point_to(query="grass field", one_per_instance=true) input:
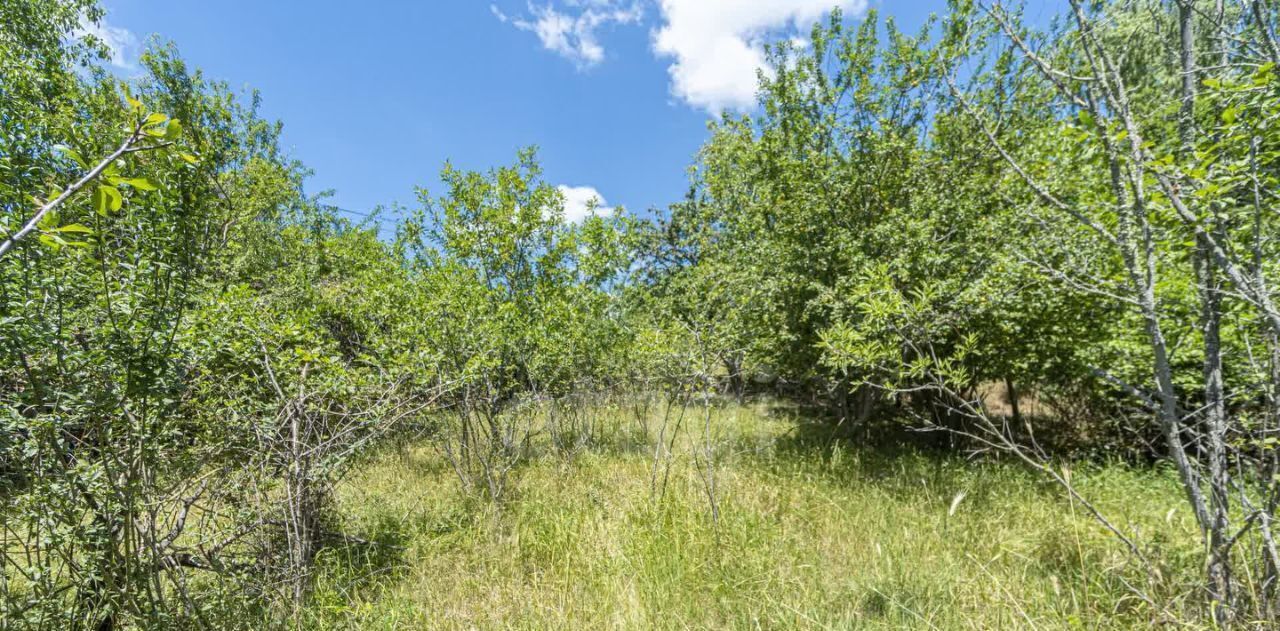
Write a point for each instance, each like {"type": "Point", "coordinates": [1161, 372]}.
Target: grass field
{"type": "Point", "coordinates": [810, 534]}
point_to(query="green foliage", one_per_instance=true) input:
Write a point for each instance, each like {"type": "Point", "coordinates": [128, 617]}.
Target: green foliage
{"type": "Point", "coordinates": [519, 300]}
{"type": "Point", "coordinates": [857, 228]}
{"type": "Point", "coordinates": [196, 354]}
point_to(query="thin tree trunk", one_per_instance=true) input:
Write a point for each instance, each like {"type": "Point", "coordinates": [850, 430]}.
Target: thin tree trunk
{"type": "Point", "coordinates": [1214, 415]}
{"type": "Point", "coordinates": [1012, 395]}
{"type": "Point", "coordinates": [1214, 410]}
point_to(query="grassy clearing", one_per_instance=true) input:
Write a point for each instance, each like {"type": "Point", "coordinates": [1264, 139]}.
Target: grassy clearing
{"type": "Point", "coordinates": [811, 535]}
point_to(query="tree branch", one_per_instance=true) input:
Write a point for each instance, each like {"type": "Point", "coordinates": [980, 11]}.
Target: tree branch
{"type": "Point", "coordinates": [128, 146]}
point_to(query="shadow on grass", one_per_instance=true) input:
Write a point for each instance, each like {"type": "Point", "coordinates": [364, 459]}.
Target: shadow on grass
{"type": "Point", "coordinates": [353, 569]}
{"type": "Point", "coordinates": [887, 455]}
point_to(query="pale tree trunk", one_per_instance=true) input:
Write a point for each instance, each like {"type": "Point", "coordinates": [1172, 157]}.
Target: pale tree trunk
{"type": "Point", "coordinates": [1209, 292]}
{"type": "Point", "coordinates": [1220, 272]}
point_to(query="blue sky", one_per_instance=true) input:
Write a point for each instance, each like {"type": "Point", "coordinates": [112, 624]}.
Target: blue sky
{"type": "Point", "coordinates": [376, 96]}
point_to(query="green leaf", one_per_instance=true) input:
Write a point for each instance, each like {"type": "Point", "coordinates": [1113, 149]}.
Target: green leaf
{"type": "Point", "coordinates": [140, 183]}
{"type": "Point", "coordinates": [155, 119]}
{"type": "Point", "coordinates": [99, 201]}
{"type": "Point", "coordinates": [106, 199]}
{"type": "Point", "coordinates": [188, 158]}
{"type": "Point", "coordinates": [71, 153]}
{"type": "Point", "coordinates": [115, 200]}
{"type": "Point", "coordinates": [75, 227]}
{"type": "Point", "coordinates": [1230, 114]}
{"type": "Point", "coordinates": [174, 130]}
{"type": "Point", "coordinates": [134, 103]}
{"type": "Point", "coordinates": [49, 220]}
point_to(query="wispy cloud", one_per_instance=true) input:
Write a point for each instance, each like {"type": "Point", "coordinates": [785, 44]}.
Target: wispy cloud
{"type": "Point", "coordinates": [573, 32]}
{"type": "Point", "coordinates": [122, 45]}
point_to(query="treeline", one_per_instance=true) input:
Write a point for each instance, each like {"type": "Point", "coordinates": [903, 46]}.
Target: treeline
{"type": "Point", "coordinates": [195, 350]}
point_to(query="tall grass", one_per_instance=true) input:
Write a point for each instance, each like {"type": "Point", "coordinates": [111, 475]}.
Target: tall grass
{"type": "Point", "coordinates": [812, 534]}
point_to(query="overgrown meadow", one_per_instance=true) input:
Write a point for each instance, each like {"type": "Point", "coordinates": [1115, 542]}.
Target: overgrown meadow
{"type": "Point", "coordinates": [969, 328]}
{"type": "Point", "coordinates": [809, 533]}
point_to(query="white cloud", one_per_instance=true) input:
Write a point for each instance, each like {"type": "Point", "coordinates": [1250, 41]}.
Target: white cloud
{"type": "Point", "coordinates": [578, 203]}
{"type": "Point", "coordinates": [718, 45]}
{"type": "Point", "coordinates": [572, 33]}
{"type": "Point", "coordinates": [715, 47]}
{"type": "Point", "coordinates": [122, 45]}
